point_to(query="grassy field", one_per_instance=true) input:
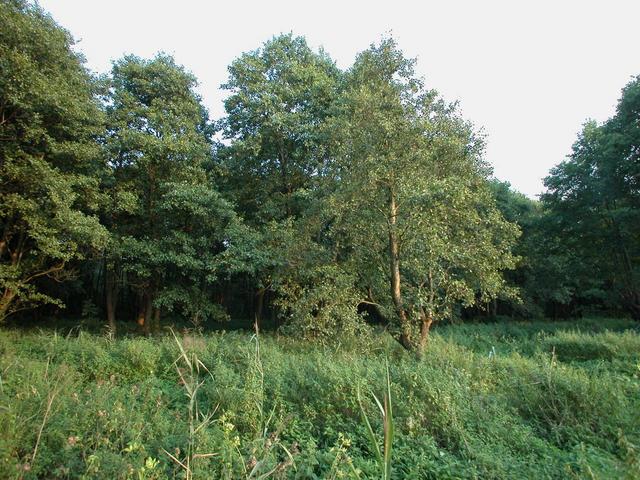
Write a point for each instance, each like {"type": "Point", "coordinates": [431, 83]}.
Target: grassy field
{"type": "Point", "coordinates": [505, 400]}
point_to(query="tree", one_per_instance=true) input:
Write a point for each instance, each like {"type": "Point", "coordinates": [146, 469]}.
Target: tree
{"type": "Point", "coordinates": [517, 208]}
{"type": "Point", "coordinates": [418, 221]}
{"type": "Point", "coordinates": [170, 238]}
{"type": "Point", "coordinates": [594, 198]}
{"type": "Point", "coordinates": [544, 276]}
{"type": "Point", "coordinates": [280, 98]}
{"type": "Point", "coordinates": [49, 160]}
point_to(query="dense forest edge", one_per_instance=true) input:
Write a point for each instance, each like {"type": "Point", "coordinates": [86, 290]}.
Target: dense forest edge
{"type": "Point", "coordinates": [324, 201]}
{"type": "Point", "coordinates": [326, 282]}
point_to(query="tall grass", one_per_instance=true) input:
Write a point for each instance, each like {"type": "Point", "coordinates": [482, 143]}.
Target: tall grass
{"type": "Point", "coordinates": [190, 368]}
{"type": "Point", "coordinates": [383, 456]}
{"type": "Point", "coordinates": [536, 400]}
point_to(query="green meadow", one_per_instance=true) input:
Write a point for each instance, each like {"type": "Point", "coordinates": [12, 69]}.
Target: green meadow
{"type": "Point", "coordinates": [504, 400]}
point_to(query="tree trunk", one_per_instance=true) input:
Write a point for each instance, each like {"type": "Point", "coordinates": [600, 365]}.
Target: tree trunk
{"type": "Point", "coordinates": [156, 319]}
{"type": "Point", "coordinates": [286, 185]}
{"type": "Point", "coordinates": [5, 302]}
{"type": "Point", "coordinates": [141, 310]}
{"type": "Point", "coordinates": [492, 308]}
{"type": "Point", "coordinates": [111, 299]}
{"type": "Point", "coordinates": [631, 295]}
{"type": "Point", "coordinates": [631, 300]}
{"type": "Point", "coordinates": [148, 313]}
{"type": "Point", "coordinates": [9, 295]}
{"type": "Point", "coordinates": [394, 266]}
{"type": "Point", "coordinates": [425, 327]}
{"type": "Point", "coordinates": [111, 315]}
{"type": "Point", "coordinates": [259, 307]}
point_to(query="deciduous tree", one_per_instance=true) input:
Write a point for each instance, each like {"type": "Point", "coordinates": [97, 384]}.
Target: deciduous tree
{"type": "Point", "coordinates": [49, 157]}
{"type": "Point", "coordinates": [594, 198]}
{"type": "Point", "coordinates": [170, 239]}
{"type": "Point", "coordinates": [422, 229]}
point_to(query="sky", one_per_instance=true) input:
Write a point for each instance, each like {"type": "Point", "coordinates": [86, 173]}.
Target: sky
{"type": "Point", "coordinates": [528, 73]}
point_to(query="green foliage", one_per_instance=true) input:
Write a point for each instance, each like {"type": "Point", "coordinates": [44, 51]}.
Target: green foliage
{"type": "Point", "coordinates": [322, 305]}
{"type": "Point", "coordinates": [287, 210]}
{"type": "Point", "coordinates": [49, 121]}
{"type": "Point", "coordinates": [547, 277]}
{"type": "Point", "coordinates": [333, 192]}
{"type": "Point", "coordinates": [417, 221]}
{"type": "Point", "coordinates": [593, 201]}
{"type": "Point", "coordinates": [274, 168]}
{"type": "Point", "coordinates": [383, 456]}
{"type": "Point", "coordinates": [279, 102]}
{"type": "Point", "coordinates": [172, 238]}
{"type": "Point", "coordinates": [513, 400]}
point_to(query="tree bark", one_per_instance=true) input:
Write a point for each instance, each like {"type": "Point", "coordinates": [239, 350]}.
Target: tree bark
{"type": "Point", "coordinates": [427, 320]}
{"type": "Point", "coordinates": [394, 266]}
{"type": "Point", "coordinates": [141, 310]}
{"type": "Point", "coordinates": [286, 185]}
{"type": "Point", "coordinates": [156, 319]}
{"type": "Point", "coordinates": [631, 300]}
{"type": "Point", "coordinates": [631, 294]}
{"type": "Point", "coordinates": [259, 306]}
{"type": "Point", "coordinates": [148, 312]}
{"type": "Point", "coordinates": [111, 298]}
{"type": "Point", "coordinates": [5, 302]}
{"type": "Point", "coordinates": [492, 307]}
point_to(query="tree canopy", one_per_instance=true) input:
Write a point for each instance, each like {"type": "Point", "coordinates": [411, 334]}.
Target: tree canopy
{"type": "Point", "coordinates": [594, 200]}
{"type": "Point", "coordinates": [325, 199]}
{"type": "Point", "coordinates": [49, 157]}
{"type": "Point", "coordinates": [421, 227]}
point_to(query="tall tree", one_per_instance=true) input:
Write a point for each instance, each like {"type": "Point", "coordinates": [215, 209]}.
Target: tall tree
{"type": "Point", "coordinates": [594, 197]}
{"type": "Point", "coordinates": [421, 226]}
{"type": "Point", "coordinates": [49, 160]}
{"type": "Point", "coordinates": [169, 238]}
{"type": "Point", "coordinates": [280, 98]}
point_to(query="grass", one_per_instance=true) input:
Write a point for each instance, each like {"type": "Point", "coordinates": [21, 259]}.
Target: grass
{"type": "Point", "coordinates": [505, 400]}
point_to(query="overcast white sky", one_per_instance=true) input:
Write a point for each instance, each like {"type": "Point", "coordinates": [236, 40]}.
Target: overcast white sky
{"type": "Point", "coordinates": [529, 73]}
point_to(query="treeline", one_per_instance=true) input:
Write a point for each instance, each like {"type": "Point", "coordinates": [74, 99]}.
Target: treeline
{"type": "Point", "coordinates": [323, 198]}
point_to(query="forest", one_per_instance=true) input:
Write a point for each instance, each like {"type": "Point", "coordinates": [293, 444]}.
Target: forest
{"type": "Point", "coordinates": [347, 229]}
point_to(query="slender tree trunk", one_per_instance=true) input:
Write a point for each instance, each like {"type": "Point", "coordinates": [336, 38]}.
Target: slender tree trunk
{"type": "Point", "coordinates": [5, 302]}
{"type": "Point", "coordinates": [631, 294]}
{"type": "Point", "coordinates": [141, 310]}
{"type": "Point", "coordinates": [259, 306]}
{"type": "Point", "coordinates": [111, 315]}
{"type": "Point", "coordinates": [394, 266]}
{"type": "Point", "coordinates": [10, 294]}
{"type": "Point", "coordinates": [631, 300]}
{"type": "Point", "coordinates": [6, 236]}
{"type": "Point", "coordinates": [148, 312]}
{"type": "Point", "coordinates": [286, 185]}
{"type": "Point", "coordinates": [273, 314]}
{"type": "Point", "coordinates": [156, 319]}
{"type": "Point", "coordinates": [111, 298]}
{"type": "Point", "coordinates": [492, 307]}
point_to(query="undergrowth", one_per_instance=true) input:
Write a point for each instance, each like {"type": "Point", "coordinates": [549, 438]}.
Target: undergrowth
{"type": "Point", "coordinates": [509, 400]}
